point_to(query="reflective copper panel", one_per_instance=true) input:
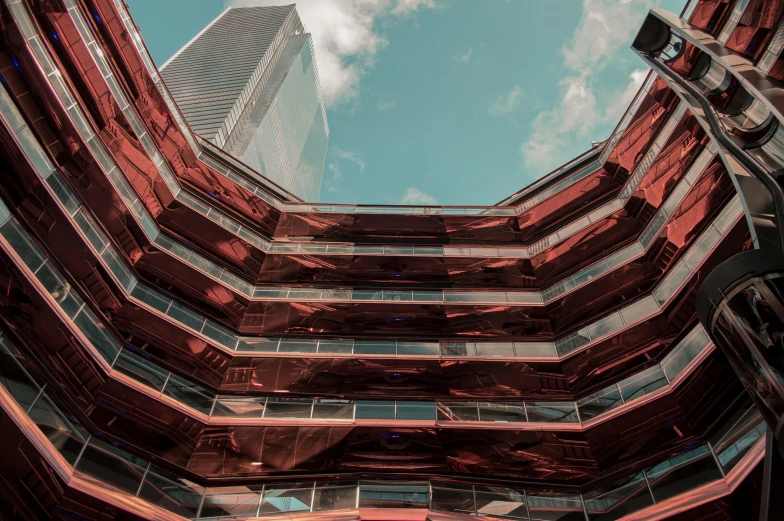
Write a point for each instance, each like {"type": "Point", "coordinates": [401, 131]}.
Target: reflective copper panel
{"type": "Point", "coordinates": [180, 340]}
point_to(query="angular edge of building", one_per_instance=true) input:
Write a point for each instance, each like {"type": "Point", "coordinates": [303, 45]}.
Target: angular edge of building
{"type": "Point", "coordinates": [182, 338]}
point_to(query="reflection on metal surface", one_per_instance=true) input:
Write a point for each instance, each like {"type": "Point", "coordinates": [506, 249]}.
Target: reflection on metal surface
{"type": "Point", "coordinates": [549, 340]}
{"type": "Point", "coordinates": [132, 476]}
{"type": "Point", "coordinates": [204, 402]}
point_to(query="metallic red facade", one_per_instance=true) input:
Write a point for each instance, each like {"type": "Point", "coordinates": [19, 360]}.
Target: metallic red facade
{"type": "Point", "coordinates": [179, 341]}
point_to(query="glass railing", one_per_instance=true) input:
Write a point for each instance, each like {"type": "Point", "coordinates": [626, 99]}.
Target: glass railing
{"type": "Point", "coordinates": [645, 89]}
{"type": "Point", "coordinates": [588, 169]}
{"type": "Point", "coordinates": [398, 210]}
{"type": "Point", "coordinates": [61, 428]}
{"type": "Point", "coordinates": [556, 173]}
{"type": "Point", "coordinates": [391, 347]}
{"type": "Point", "coordinates": [397, 295]}
{"type": "Point", "coordinates": [149, 65]}
{"type": "Point", "coordinates": [735, 437]}
{"type": "Point", "coordinates": [558, 187]}
{"type": "Point", "coordinates": [81, 218]}
{"type": "Point", "coordinates": [109, 465]}
{"type": "Point", "coordinates": [689, 10]}
{"type": "Point", "coordinates": [358, 249]}
{"type": "Point", "coordinates": [639, 99]}
{"type": "Point", "coordinates": [120, 470]}
{"type": "Point", "coordinates": [732, 22]}
{"type": "Point", "coordinates": [236, 228]}
{"type": "Point", "coordinates": [628, 189]}
{"type": "Point", "coordinates": [773, 50]}
{"type": "Point", "coordinates": [639, 247]}
{"type": "Point", "coordinates": [164, 383]}
{"type": "Point", "coordinates": [694, 344]}
{"type": "Point", "coordinates": [664, 290]}
{"type": "Point", "coordinates": [60, 290]}
{"type": "Point", "coordinates": [102, 156]}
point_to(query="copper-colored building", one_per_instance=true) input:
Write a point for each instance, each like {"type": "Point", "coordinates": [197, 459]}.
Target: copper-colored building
{"type": "Point", "coordinates": [182, 340]}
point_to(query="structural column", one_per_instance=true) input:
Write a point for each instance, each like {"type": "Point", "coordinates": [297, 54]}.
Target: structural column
{"type": "Point", "coordinates": [741, 305]}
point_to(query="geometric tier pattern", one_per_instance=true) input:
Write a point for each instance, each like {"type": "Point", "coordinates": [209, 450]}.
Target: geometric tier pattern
{"type": "Point", "coordinates": [182, 340]}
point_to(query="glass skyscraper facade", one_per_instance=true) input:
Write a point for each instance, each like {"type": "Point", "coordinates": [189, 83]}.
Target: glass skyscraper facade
{"type": "Point", "coordinates": [249, 83]}
{"type": "Point", "coordinates": [182, 340]}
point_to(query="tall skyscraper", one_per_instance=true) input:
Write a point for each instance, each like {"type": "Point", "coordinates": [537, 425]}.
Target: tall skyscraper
{"type": "Point", "coordinates": [180, 342]}
{"type": "Point", "coordinates": [249, 83]}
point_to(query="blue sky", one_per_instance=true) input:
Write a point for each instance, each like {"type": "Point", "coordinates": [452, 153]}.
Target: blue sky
{"type": "Point", "coordinates": [451, 102]}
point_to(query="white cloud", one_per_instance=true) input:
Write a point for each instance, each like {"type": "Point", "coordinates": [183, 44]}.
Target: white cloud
{"type": "Point", "coordinates": [409, 6]}
{"type": "Point", "coordinates": [332, 182]}
{"type": "Point", "coordinates": [385, 104]}
{"type": "Point", "coordinates": [350, 156]}
{"type": "Point", "coordinates": [333, 172]}
{"type": "Point", "coordinates": [464, 58]}
{"type": "Point", "coordinates": [415, 196]}
{"type": "Point", "coordinates": [505, 104]}
{"type": "Point", "coordinates": [606, 27]}
{"type": "Point", "coordinates": [616, 109]}
{"type": "Point", "coordinates": [345, 36]}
